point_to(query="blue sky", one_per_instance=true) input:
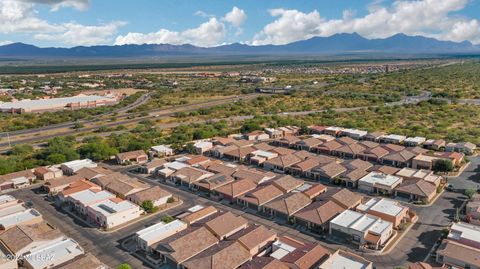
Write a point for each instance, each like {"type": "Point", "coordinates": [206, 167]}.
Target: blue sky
{"type": "Point", "coordinates": [69, 23]}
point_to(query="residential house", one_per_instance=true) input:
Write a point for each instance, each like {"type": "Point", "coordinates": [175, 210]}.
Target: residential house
{"type": "Point", "coordinates": [262, 262]}
{"type": "Point", "coordinates": [234, 189]}
{"type": "Point", "coordinates": [186, 176]}
{"type": "Point", "coordinates": [414, 141]}
{"type": "Point", "coordinates": [361, 229]}
{"type": "Point", "coordinates": [47, 173]}
{"type": "Point", "coordinates": [374, 136]}
{"type": "Point", "coordinates": [202, 147]}
{"type": "Point", "coordinates": [333, 131]}
{"type": "Point", "coordinates": [316, 216]}
{"type": "Point", "coordinates": [416, 190]}
{"type": "Point", "coordinates": [238, 154]}
{"type": "Point", "coordinates": [316, 129]}
{"type": "Point", "coordinates": [19, 217]}
{"type": "Point", "coordinates": [258, 197]}
{"type": "Point", "coordinates": [392, 138]}
{"type": "Point", "coordinates": [113, 212]}
{"type": "Point", "coordinates": [137, 157]}
{"type": "Point", "coordinates": [308, 144]}
{"type": "Point", "coordinates": [342, 259]}
{"type": "Point", "coordinates": [257, 136]}
{"type": "Point", "coordinates": [379, 183]}
{"type": "Point", "coordinates": [157, 195]}
{"type": "Point", "coordinates": [435, 144]}
{"type": "Point", "coordinates": [120, 184]}
{"type": "Point", "coordinates": [80, 201]}
{"type": "Point", "coordinates": [258, 157]}
{"type": "Point", "coordinates": [373, 154]}
{"type": "Point", "coordinates": [226, 254]}
{"type": "Point", "coordinates": [327, 172]}
{"type": "Point", "coordinates": [399, 159]}
{"type": "Point", "coordinates": [342, 197]}
{"type": "Point", "coordinates": [145, 238]}
{"type": "Point", "coordinates": [83, 261]}
{"type": "Point", "coordinates": [327, 148]}
{"type": "Point", "coordinates": [182, 246]}
{"type": "Point", "coordinates": [274, 133]}
{"type": "Point", "coordinates": [307, 256]}
{"type": "Point", "coordinates": [287, 183]}
{"type": "Point", "coordinates": [257, 239]}
{"type": "Point", "coordinates": [220, 168]}
{"type": "Point", "coordinates": [463, 147]}
{"type": "Point", "coordinates": [386, 209]}
{"type": "Point", "coordinates": [286, 141]}
{"type": "Point", "coordinates": [448, 254]}
{"type": "Point", "coordinates": [281, 163]}
{"type": "Point", "coordinates": [63, 251]}
{"type": "Point", "coordinates": [161, 151]}
{"type": "Point", "coordinates": [152, 166]}
{"type": "Point", "coordinates": [349, 151]}
{"type": "Point", "coordinates": [354, 133]}
{"type": "Point", "coordinates": [70, 168]}
{"type": "Point", "coordinates": [59, 184]}
{"type": "Point", "coordinates": [93, 172]}
{"type": "Point", "coordinates": [210, 184]}
{"type": "Point", "coordinates": [226, 225]}
{"type": "Point", "coordinates": [21, 239]}
{"type": "Point", "coordinates": [285, 206]}
{"type": "Point", "coordinates": [415, 174]}
{"type": "Point", "coordinates": [256, 176]}
{"type": "Point", "coordinates": [17, 179]}
{"type": "Point", "coordinates": [199, 214]}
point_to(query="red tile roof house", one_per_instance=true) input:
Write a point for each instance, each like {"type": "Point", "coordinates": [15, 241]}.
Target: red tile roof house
{"type": "Point", "coordinates": [285, 206]}
{"type": "Point", "coordinates": [224, 255]}
{"type": "Point", "coordinates": [287, 141]}
{"type": "Point", "coordinates": [258, 197]}
{"type": "Point", "coordinates": [316, 216]}
{"type": "Point", "coordinates": [137, 156]}
{"type": "Point", "coordinates": [226, 224]}
{"type": "Point", "coordinates": [317, 129]}
{"type": "Point", "coordinates": [308, 144]}
{"type": "Point", "coordinates": [280, 163]}
{"type": "Point", "coordinates": [257, 239]}
{"type": "Point", "coordinates": [327, 148]}
{"type": "Point", "coordinates": [399, 159]}
{"type": "Point", "coordinates": [307, 257]}
{"type": "Point", "coordinates": [209, 185]}
{"type": "Point", "coordinates": [232, 190]}
{"type": "Point", "coordinates": [349, 151]}
{"type": "Point", "coordinates": [328, 172]}
{"type": "Point", "coordinates": [238, 154]}
{"type": "Point", "coordinates": [373, 154]}
{"type": "Point", "coordinates": [301, 168]}
{"type": "Point", "coordinates": [186, 176]}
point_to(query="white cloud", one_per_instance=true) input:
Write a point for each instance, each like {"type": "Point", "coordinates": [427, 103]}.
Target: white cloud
{"type": "Point", "coordinates": [432, 18]}
{"type": "Point", "coordinates": [3, 43]}
{"type": "Point", "coordinates": [207, 34]}
{"type": "Point", "coordinates": [78, 34]}
{"type": "Point", "coordinates": [21, 17]}
{"type": "Point", "coordinates": [57, 4]}
{"type": "Point", "coordinates": [203, 14]}
{"type": "Point", "coordinates": [236, 17]}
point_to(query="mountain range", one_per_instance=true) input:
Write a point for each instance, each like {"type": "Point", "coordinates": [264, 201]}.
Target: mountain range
{"type": "Point", "coordinates": [332, 45]}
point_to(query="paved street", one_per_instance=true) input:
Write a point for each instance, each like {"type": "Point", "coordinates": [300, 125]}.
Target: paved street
{"type": "Point", "coordinates": [106, 246]}
{"type": "Point", "coordinates": [470, 177]}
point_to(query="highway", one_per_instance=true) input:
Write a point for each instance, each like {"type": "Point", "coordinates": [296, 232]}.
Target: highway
{"type": "Point", "coordinates": [35, 135]}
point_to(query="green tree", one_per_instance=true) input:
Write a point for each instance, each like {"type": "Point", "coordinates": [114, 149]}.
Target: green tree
{"type": "Point", "coordinates": [443, 166]}
{"type": "Point", "coordinates": [56, 158]}
{"type": "Point", "coordinates": [97, 149]}
{"type": "Point", "coordinates": [470, 192]}
{"type": "Point", "coordinates": [124, 266]}
{"type": "Point", "coordinates": [167, 219]}
{"type": "Point", "coordinates": [148, 206]}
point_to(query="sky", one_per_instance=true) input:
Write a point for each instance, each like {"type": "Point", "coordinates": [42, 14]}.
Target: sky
{"type": "Point", "coordinates": [206, 23]}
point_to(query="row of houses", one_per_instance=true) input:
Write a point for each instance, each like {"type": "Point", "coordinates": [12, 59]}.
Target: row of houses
{"type": "Point", "coordinates": [409, 183]}
{"type": "Point", "coordinates": [103, 197]}
{"type": "Point", "coordinates": [205, 237]}
{"type": "Point", "coordinates": [382, 137]}
{"type": "Point", "coordinates": [27, 241]}
{"type": "Point", "coordinates": [310, 206]}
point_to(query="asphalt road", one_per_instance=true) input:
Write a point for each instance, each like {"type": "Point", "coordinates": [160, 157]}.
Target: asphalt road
{"type": "Point", "coordinates": [470, 177]}
{"type": "Point", "coordinates": [159, 114]}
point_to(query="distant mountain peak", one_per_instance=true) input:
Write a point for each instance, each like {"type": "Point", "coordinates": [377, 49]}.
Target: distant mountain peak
{"type": "Point", "coordinates": [334, 44]}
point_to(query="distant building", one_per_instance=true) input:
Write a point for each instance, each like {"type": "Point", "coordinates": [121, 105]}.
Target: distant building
{"type": "Point", "coordinates": [70, 168]}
